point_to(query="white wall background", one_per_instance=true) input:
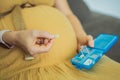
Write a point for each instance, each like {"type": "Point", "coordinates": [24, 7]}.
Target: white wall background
{"type": "Point", "coordinates": [109, 7]}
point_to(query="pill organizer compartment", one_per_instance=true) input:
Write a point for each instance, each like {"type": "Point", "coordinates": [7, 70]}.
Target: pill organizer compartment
{"type": "Point", "coordinates": [87, 60]}
{"type": "Point", "coordinates": [76, 60]}
{"type": "Point", "coordinates": [96, 54]}
{"type": "Point", "coordinates": [81, 57]}
{"type": "Point", "coordinates": [88, 63]}
{"type": "Point", "coordinates": [90, 59]}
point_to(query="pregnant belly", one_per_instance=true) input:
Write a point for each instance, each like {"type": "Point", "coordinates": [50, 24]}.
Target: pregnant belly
{"type": "Point", "coordinates": [48, 19]}
{"type": "Point", "coordinates": [51, 20]}
{"type": "Point", "coordinates": [42, 18]}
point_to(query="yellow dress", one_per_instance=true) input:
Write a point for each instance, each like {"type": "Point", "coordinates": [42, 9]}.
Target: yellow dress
{"type": "Point", "coordinates": [55, 64]}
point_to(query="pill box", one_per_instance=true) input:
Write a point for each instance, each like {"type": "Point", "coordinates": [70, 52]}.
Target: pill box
{"type": "Point", "coordinates": [88, 56]}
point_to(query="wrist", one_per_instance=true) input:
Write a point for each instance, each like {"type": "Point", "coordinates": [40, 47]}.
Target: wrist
{"type": "Point", "coordinates": [8, 38]}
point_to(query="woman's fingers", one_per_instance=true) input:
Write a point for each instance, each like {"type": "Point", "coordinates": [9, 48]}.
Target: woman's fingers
{"type": "Point", "coordinates": [78, 47]}
{"type": "Point", "coordinates": [42, 41]}
{"type": "Point", "coordinates": [46, 41]}
{"type": "Point", "coordinates": [45, 35]}
{"type": "Point", "coordinates": [42, 48]}
{"type": "Point", "coordinates": [90, 41]}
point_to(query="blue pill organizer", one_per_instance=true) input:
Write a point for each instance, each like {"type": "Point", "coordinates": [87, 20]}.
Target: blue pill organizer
{"type": "Point", "coordinates": [88, 56]}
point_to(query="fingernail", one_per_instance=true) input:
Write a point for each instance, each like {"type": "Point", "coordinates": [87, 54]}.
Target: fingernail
{"type": "Point", "coordinates": [92, 44]}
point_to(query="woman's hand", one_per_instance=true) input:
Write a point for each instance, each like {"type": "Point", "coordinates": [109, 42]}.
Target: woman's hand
{"type": "Point", "coordinates": [84, 40]}
{"type": "Point", "coordinates": [31, 41]}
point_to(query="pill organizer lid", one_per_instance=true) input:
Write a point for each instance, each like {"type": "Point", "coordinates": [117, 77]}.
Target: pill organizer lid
{"type": "Point", "coordinates": [104, 42]}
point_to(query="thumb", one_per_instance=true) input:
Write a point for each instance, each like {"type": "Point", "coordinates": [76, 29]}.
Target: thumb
{"type": "Point", "coordinates": [90, 41]}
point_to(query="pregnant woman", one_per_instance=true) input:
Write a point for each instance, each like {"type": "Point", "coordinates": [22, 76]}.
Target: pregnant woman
{"type": "Point", "coordinates": [28, 27]}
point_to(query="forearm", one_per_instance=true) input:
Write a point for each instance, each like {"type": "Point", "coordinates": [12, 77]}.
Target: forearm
{"type": "Point", "coordinates": [9, 37]}
{"type": "Point", "coordinates": [76, 25]}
